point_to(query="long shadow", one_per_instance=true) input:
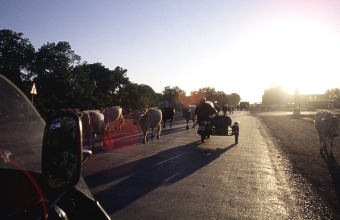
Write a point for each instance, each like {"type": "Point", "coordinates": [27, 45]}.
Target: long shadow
{"type": "Point", "coordinates": [134, 180]}
{"type": "Point", "coordinates": [135, 136]}
{"type": "Point", "coordinates": [334, 170]}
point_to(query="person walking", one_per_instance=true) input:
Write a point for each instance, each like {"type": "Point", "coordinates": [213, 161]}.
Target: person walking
{"type": "Point", "coordinates": [235, 130]}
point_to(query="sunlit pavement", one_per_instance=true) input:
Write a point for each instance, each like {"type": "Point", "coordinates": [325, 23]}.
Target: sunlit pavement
{"type": "Point", "coordinates": [177, 177]}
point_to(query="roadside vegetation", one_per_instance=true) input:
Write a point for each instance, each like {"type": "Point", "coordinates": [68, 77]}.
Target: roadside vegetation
{"type": "Point", "coordinates": [64, 80]}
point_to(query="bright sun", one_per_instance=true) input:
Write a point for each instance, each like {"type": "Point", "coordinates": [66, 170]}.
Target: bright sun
{"type": "Point", "coordinates": [305, 53]}
{"type": "Point", "coordinates": [291, 54]}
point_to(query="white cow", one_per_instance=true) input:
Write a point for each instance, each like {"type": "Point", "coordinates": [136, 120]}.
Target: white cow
{"type": "Point", "coordinates": [326, 126]}
{"type": "Point", "coordinates": [113, 115]}
{"type": "Point", "coordinates": [93, 125]}
{"type": "Point", "coordinates": [151, 118]}
{"type": "Point", "coordinates": [188, 112]}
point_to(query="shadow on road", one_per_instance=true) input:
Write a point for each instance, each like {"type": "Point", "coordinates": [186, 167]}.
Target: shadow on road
{"type": "Point", "coordinates": [133, 180]}
{"type": "Point", "coordinates": [334, 170]}
{"type": "Point", "coordinates": [131, 136]}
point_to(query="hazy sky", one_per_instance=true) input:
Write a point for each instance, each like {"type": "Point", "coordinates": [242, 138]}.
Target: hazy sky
{"type": "Point", "coordinates": [233, 46]}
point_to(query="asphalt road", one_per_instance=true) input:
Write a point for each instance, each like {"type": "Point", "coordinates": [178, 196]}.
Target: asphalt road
{"type": "Point", "coordinates": [177, 177]}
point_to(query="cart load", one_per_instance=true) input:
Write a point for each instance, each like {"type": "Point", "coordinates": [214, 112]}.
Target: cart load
{"type": "Point", "coordinates": [222, 124]}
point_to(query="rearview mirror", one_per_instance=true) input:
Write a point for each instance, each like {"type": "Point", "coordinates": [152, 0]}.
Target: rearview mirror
{"type": "Point", "coordinates": [62, 150]}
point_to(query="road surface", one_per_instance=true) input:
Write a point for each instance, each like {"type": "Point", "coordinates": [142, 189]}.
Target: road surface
{"type": "Point", "coordinates": [177, 177]}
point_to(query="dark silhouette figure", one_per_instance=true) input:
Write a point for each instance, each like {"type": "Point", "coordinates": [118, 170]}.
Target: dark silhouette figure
{"type": "Point", "coordinates": [235, 130]}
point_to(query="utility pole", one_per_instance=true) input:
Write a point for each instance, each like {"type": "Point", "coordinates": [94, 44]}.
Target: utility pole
{"type": "Point", "coordinates": [296, 102]}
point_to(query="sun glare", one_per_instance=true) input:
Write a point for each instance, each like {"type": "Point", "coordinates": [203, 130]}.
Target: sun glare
{"type": "Point", "coordinates": [291, 54]}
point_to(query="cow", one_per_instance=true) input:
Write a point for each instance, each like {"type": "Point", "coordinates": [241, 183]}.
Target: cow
{"type": "Point", "coordinates": [231, 109]}
{"type": "Point", "coordinates": [218, 108]}
{"type": "Point", "coordinates": [146, 119]}
{"type": "Point", "coordinates": [326, 125]}
{"type": "Point", "coordinates": [168, 114]}
{"type": "Point", "coordinates": [92, 125]}
{"type": "Point", "coordinates": [225, 109]}
{"type": "Point", "coordinates": [113, 115]}
{"type": "Point", "coordinates": [188, 112]}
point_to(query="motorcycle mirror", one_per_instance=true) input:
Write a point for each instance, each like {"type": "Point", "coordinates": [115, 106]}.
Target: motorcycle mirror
{"type": "Point", "coordinates": [62, 150]}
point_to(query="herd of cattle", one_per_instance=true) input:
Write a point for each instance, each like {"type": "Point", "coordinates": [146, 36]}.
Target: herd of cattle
{"type": "Point", "coordinates": [96, 123]}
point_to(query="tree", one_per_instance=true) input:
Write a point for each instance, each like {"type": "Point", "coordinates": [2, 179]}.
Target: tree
{"type": "Point", "coordinates": [274, 95]}
{"type": "Point", "coordinates": [215, 96]}
{"type": "Point", "coordinates": [84, 88]}
{"type": "Point", "coordinates": [234, 99]}
{"type": "Point", "coordinates": [53, 65]}
{"type": "Point", "coordinates": [62, 82]}
{"type": "Point", "coordinates": [333, 93]}
{"type": "Point", "coordinates": [222, 98]}
{"type": "Point", "coordinates": [16, 55]}
{"type": "Point", "coordinates": [209, 93]}
{"type": "Point", "coordinates": [98, 87]}
{"type": "Point", "coordinates": [105, 84]}
{"type": "Point", "coordinates": [173, 96]}
{"type": "Point", "coordinates": [194, 96]}
{"type": "Point", "coordinates": [135, 96]}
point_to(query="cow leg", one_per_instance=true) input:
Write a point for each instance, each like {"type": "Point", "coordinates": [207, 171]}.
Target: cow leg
{"type": "Point", "coordinates": [152, 133]}
{"type": "Point", "coordinates": [194, 123]}
{"type": "Point", "coordinates": [118, 125]}
{"type": "Point", "coordinates": [122, 122]}
{"type": "Point", "coordinates": [331, 147]}
{"type": "Point", "coordinates": [170, 122]}
{"type": "Point", "coordinates": [107, 130]}
{"type": "Point", "coordinates": [321, 143]}
{"type": "Point", "coordinates": [159, 131]}
{"type": "Point", "coordinates": [321, 146]}
{"type": "Point", "coordinates": [163, 123]}
{"type": "Point", "coordinates": [144, 137]}
{"type": "Point", "coordinates": [89, 141]}
{"type": "Point", "coordinates": [330, 151]}
{"type": "Point", "coordinates": [93, 142]}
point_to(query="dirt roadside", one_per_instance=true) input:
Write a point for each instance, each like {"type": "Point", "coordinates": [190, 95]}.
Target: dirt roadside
{"type": "Point", "coordinates": [297, 139]}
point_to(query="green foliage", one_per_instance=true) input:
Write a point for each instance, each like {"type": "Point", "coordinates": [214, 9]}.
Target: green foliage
{"type": "Point", "coordinates": [135, 96]}
{"type": "Point", "coordinates": [102, 85]}
{"type": "Point", "coordinates": [16, 54]}
{"type": "Point", "coordinates": [234, 99]}
{"type": "Point", "coordinates": [222, 98]}
{"type": "Point", "coordinates": [53, 65]}
{"type": "Point", "coordinates": [219, 97]}
{"type": "Point", "coordinates": [274, 95]}
{"type": "Point", "coordinates": [171, 95]}
{"type": "Point", "coordinates": [62, 81]}
{"type": "Point", "coordinates": [333, 93]}
{"type": "Point", "coordinates": [208, 92]}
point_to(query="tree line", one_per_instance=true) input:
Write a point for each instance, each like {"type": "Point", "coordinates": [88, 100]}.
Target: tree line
{"type": "Point", "coordinates": [63, 80]}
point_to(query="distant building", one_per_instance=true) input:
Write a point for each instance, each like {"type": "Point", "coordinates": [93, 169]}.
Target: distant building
{"type": "Point", "coordinates": [318, 101]}
{"type": "Point", "coordinates": [244, 106]}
